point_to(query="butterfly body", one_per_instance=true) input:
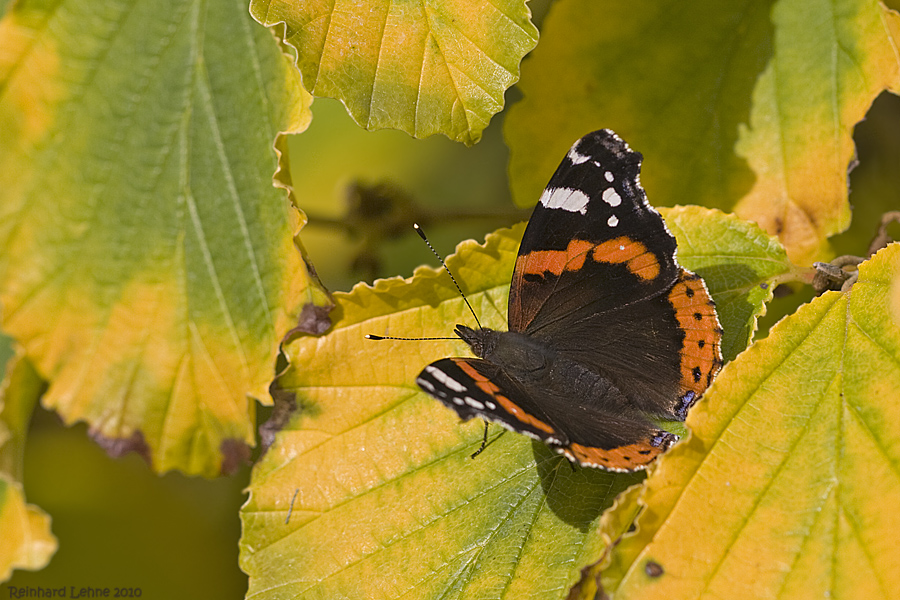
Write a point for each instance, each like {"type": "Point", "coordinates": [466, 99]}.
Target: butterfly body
{"type": "Point", "coordinates": [607, 332]}
{"type": "Point", "coordinates": [536, 366]}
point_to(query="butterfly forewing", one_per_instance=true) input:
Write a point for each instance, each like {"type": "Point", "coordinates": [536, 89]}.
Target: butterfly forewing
{"type": "Point", "coordinates": [593, 241]}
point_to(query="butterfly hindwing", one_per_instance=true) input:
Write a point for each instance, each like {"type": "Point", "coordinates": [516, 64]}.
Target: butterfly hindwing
{"type": "Point", "coordinates": [477, 388]}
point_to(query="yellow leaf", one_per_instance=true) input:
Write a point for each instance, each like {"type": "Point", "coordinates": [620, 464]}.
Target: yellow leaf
{"type": "Point", "coordinates": [788, 485]}
{"type": "Point", "coordinates": [372, 472]}
{"type": "Point", "coordinates": [745, 106]}
{"type": "Point", "coordinates": [831, 60]}
{"type": "Point", "coordinates": [26, 541]}
{"type": "Point", "coordinates": [422, 67]}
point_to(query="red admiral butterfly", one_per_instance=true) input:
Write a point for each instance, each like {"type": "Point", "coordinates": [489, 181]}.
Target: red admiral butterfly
{"type": "Point", "coordinates": [606, 330]}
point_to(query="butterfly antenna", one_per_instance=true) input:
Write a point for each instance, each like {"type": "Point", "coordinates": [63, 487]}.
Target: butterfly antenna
{"type": "Point", "coordinates": [452, 278]}
{"type": "Point", "coordinates": [372, 336]}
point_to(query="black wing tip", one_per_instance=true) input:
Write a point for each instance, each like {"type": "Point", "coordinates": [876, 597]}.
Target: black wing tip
{"type": "Point", "coordinates": [605, 140]}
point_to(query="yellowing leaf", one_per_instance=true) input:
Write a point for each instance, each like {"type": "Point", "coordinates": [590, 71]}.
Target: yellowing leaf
{"type": "Point", "coordinates": [146, 260]}
{"type": "Point", "coordinates": [789, 485]}
{"type": "Point", "coordinates": [746, 106]}
{"type": "Point", "coordinates": [372, 473]}
{"type": "Point", "coordinates": [673, 79]}
{"type": "Point", "coordinates": [422, 67]}
{"type": "Point", "coordinates": [830, 62]}
{"type": "Point", "coordinates": [26, 541]}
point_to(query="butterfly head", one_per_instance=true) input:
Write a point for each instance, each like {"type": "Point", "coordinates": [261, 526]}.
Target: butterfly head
{"type": "Point", "coordinates": [481, 340]}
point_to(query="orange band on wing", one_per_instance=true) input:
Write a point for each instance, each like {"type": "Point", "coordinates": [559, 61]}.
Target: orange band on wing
{"type": "Point", "coordinates": [572, 258]}
{"type": "Point", "coordinates": [625, 457]}
{"type": "Point", "coordinates": [634, 254]}
{"type": "Point", "coordinates": [490, 388]}
{"type": "Point", "coordinates": [701, 357]}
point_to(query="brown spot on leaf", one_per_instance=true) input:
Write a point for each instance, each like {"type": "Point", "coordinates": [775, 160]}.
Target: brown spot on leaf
{"type": "Point", "coordinates": [653, 569]}
{"type": "Point", "coordinates": [119, 447]}
{"type": "Point", "coordinates": [314, 320]}
{"type": "Point", "coordinates": [779, 225]}
{"type": "Point", "coordinates": [235, 453]}
{"type": "Point", "coordinates": [285, 405]}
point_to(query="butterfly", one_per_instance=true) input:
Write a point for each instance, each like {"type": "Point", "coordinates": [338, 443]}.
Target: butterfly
{"type": "Point", "coordinates": [607, 332]}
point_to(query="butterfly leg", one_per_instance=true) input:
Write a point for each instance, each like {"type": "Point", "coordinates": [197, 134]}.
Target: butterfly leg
{"type": "Point", "coordinates": [483, 441]}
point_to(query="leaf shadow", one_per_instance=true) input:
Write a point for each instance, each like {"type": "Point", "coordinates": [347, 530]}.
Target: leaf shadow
{"type": "Point", "coordinates": [578, 496]}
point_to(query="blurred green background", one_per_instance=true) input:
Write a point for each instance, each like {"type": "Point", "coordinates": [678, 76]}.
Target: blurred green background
{"type": "Point", "coordinates": [454, 192]}
{"type": "Point", "coordinates": [118, 524]}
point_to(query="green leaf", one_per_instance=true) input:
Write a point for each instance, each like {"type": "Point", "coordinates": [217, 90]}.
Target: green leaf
{"type": "Point", "coordinates": [795, 452]}
{"type": "Point", "coordinates": [422, 67]}
{"type": "Point", "coordinates": [746, 105]}
{"type": "Point", "coordinates": [146, 260]}
{"type": "Point", "coordinates": [371, 472]}
{"type": "Point", "coordinates": [26, 542]}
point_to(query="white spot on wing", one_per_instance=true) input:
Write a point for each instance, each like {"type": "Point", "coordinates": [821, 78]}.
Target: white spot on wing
{"type": "Point", "coordinates": [575, 156]}
{"type": "Point", "coordinates": [613, 221]}
{"type": "Point", "coordinates": [474, 403]}
{"type": "Point", "coordinates": [609, 176]}
{"type": "Point", "coordinates": [490, 405]}
{"type": "Point", "coordinates": [611, 197]}
{"type": "Point", "coordinates": [425, 384]}
{"type": "Point", "coordinates": [445, 379]}
{"type": "Point", "coordinates": [566, 199]}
